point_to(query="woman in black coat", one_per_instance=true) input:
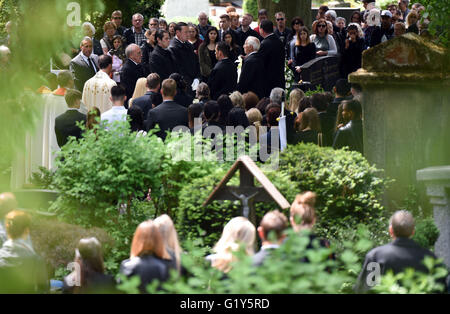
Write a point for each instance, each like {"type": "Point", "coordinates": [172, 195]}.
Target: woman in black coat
{"type": "Point", "coordinates": [304, 51]}
{"type": "Point", "coordinates": [352, 54]}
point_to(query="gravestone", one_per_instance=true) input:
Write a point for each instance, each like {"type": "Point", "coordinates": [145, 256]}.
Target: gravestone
{"type": "Point", "coordinates": [191, 8]}
{"type": "Point", "coordinates": [323, 71]}
{"type": "Point", "coordinates": [437, 182]}
{"type": "Point", "coordinates": [406, 109]}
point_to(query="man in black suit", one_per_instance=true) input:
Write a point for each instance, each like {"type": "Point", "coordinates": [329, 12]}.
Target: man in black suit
{"type": "Point", "coordinates": [185, 60]}
{"type": "Point", "coordinates": [252, 72]}
{"type": "Point", "coordinates": [400, 254]}
{"type": "Point", "coordinates": [132, 70]}
{"type": "Point", "coordinates": [351, 134]}
{"type": "Point", "coordinates": [152, 98]}
{"type": "Point", "coordinates": [273, 54]}
{"type": "Point", "coordinates": [271, 232]}
{"type": "Point", "coordinates": [169, 114]}
{"type": "Point", "coordinates": [66, 124]}
{"type": "Point", "coordinates": [223, 77]}
{"type": "Point", "coordinates": [84, 65]}
{"type": "Point", "coordinates": [224, 26]}
{"type": "Point", "coordinates": [136, 34]}
{"type": "Point", "coordinates": [161, 61]}
{"type": "Point", "coordinates": [245, 30]}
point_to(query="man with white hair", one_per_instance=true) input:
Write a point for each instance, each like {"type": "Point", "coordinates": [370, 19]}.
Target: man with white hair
{"type": "Point", "coordinates": [331, 16]}
{"type": "Point", "coordinates": [136, 34]}
{"type": "Point", "coordinates": [84, 65]}
{"type": "Point", "coordinates": [400, 254]}
{"type": "Point", "coordinates": [203, 25]}
{"type": "Point", "coordinates": [132, 70]}
{"type": "Point", "coordinates": [89, 31]}
{"type": "Point", "coordinates": [252, 72]}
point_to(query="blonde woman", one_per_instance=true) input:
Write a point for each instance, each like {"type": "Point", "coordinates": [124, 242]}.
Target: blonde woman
{"type": "Point", "coordinates": [238, 232]}
{"type": "Point", "coordinates": [170, 237]}
{"type": "Point", "coordinates": [255, 118]}
{"type": "Point", "coordinates": [139, 90]}
{"type": "Point", "coordinates": [237, 99]}
{"type": "Point", "coordinates": [295, 98]}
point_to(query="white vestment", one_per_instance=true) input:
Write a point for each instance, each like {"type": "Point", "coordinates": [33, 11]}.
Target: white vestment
{"type": "Point", "coordinates": [97, 92]}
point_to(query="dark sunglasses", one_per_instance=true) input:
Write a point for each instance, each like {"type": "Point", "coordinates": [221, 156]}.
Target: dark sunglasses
{"type": "Point", "coordinates": [321, 25]}
{"type": "Point", "coordinates": [117, 18]}
{"type": "Point", "coordinates": [297, 23]}
{"type": "Point", "coordinates": [280, 19]}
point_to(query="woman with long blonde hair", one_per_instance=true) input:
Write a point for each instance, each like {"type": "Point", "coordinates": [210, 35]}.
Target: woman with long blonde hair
{"type": "Point", "coordinates": [238, 232]}
{"type": "Point", "coordinates": [139, 90]}
{"type": "Point", "coordinates": [170, 238]}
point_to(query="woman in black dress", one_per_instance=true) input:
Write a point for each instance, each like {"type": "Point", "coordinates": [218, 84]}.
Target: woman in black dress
{"type": "Point", "coordinates": [307, 125]}
{"type": "Point", "coordinates": [304, 51]}
{"type": "Point", "coordinates": [235, 50]}
{"type": "Point", "coordinates": [352, 54]}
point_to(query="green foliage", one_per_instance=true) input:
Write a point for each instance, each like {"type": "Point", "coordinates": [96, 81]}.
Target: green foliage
{"type": "Point", "coordinates": [251, 6]}
{"type": "Point", "coordinates": [56, 241]}
{"type": "Point", "coordinates": [100, 174]}
{"type": "Point", "coordinates": [411, 282]}
{"type": "Point", "coordinates": [438, 11]}
{"type": "Point", "coordinates": [426, 233]}
{"type": "Point", "coordinates": [345, 183]}
{"type": "Point", "coordinates": [319, 89]}
{"type": "Point", "coordinates": [42, 179]}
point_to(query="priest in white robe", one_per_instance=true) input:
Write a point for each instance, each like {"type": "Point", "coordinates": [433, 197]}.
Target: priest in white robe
{"type": "Point", "coordinates": [97, 90]}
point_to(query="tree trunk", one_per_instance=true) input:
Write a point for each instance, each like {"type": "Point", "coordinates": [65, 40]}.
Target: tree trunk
{"type": "Point", "coordinates": [291, 8]}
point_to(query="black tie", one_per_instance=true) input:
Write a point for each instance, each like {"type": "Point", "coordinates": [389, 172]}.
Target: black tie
{"type": "Point", "coordinates": [91, 64]}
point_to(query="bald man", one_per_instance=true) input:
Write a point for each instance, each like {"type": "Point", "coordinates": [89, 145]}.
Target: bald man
{"type": "Point", "coordinates": [400, 254]}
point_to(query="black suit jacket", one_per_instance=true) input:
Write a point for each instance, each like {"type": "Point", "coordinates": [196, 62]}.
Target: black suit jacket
{"type": "Point", "coordinates": [131, 72]}
{"type": "Point", "coordinates": [273, 53]}
{"type": "Point", "coordinates": [97, 47]}
{"type": "Point", "coordinates": [167, 115]}
{"type": "Point", "coordinates": [161, 62]}
{"type": "Point", "coordinates": [223, 78]}
{"type": "Point", "coordinates": [242, 36]}
{"type": "Point", "coordinates": [147, 267]}
{"type": "Point", "coordinates": [350, 135]}
{"type": "Point", "coordinates": [66, 125]}
{"type": "Point", "coordinates": [185, 60]}
{"type": "Point", "coordinates": [81, 71]}
{"type": "Point", "coordinates": [145, 102]}
{"type": "Point", "coordinates": [252, 75]}
{"type": "Point", "coordinates": [402, 253]}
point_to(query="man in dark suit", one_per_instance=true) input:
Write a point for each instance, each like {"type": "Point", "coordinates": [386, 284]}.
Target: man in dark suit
{"type": "Point", "coordinates": [84, 65]}
{"type": "Point", "coordinates": [169, 114]}
{"type": "Point", "coordinates": [66, 124]}
{"type": "Point", "coordinates": [282, 32]}
{"type": "Point", "coordinates": [252, 72]}
{"type": "Point", "coordinates": [132, 70]}
{"type": "Point", "coordinates": [351, 134]}
{"type": "Point", "coordinates": [223, 77]}
{"type": "Point", "coordinates": [224, 26]}
{"type": "Point", "coordinates": [135, 34]}
{"type": "Point", "coordinates": [271, 232]}
{"type": "Point", "coordinates": [273, 53]}
{"type": "Point", "coordinates": [161, 61]}
{"type": "Point", "coordinates": [152, 98]}
{"type": "Point", "coordinates": [245, 30]}
{"type": "Point", "coordinates": [183, 55]}
{"type": "Point", "coordinates": [400, 254]}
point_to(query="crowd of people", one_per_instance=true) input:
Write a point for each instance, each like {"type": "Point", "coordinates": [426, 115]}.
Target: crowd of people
{"type": "Point", "coordinates": [156, 254]}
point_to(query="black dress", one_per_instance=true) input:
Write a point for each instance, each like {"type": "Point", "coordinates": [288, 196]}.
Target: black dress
{"type": "Point", "coordinates": [352, 57]}
{"type": "Point", "coordinates": [212, 55]}
{"type": "Point", "coordinates": [302, 55]}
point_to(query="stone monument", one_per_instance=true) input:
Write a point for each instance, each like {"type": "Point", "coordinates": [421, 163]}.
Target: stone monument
{"type": "Point", "coordinates": [437, 182]}
{"type": "Point", "coordinates": [191, 8]}
{"type": "Point", "coordinates": [406, 108]}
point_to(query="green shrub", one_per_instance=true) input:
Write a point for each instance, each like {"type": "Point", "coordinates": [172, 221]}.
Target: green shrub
{"type": "Point", "coordinates": [101, 173]}
{"type": "Point", "coordinates": [56, 241]}
{"type": "Point", "coordinates": [426, 233]}
{"type": "Point", "coordinates": [345, 183]}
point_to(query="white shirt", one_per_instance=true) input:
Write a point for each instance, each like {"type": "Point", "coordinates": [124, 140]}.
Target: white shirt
{"type": "Point", "coordinates": [116, 113]}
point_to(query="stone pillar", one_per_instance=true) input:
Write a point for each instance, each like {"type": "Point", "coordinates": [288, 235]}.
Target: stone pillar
{"type": "Point", "coordinates": [406, 109]}
{"type": "Point", "coordinates": [437, 182]}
